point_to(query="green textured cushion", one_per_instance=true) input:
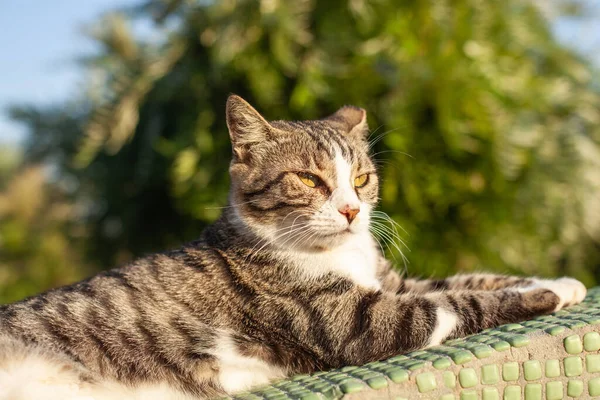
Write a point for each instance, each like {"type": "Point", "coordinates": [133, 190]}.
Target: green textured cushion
{"type": "Point", "coordinates": [549, 357]}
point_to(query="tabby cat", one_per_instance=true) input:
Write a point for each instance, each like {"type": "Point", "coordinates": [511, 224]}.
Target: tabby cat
{"type": "Point", "coordinates": [289, 280]}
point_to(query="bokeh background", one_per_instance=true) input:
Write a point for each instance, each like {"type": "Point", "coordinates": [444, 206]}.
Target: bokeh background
{"type": "Point", "coordinates": [486, 118]}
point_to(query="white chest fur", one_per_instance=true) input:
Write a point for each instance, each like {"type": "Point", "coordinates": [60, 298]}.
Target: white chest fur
{"type": "Point", "coordinates": [356, 259]}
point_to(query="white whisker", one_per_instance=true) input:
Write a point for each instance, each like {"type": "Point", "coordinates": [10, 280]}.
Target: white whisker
{"type": "Point", "coordinates": [384, 226]}
{"type": "Point", "coordinates": [386, 216]}
{"type": "Point", "coordinates": [376, 231]}
{"type": "Point", "coordinates": [391, 151]}
{"type": "Point", "coordinates": [231, 205]}
{"type": "Point", "coordinates": [379, 137]}
{"type": "Point", "coordinates": [372, 133]}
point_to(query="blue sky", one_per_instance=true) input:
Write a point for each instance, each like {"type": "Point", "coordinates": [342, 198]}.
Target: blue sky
{"type": "Point", "coordinates": [40, 40]}
{"type": "Point", "coordinates": [583, 34]}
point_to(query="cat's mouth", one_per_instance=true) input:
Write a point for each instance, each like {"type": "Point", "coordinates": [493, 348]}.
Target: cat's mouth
{"type": "Point", "coordinates": [346, 231]}
{"type": "Point", "coordinates": [340, 234]}
{"type": "Point", "coordinates": [330, 240]}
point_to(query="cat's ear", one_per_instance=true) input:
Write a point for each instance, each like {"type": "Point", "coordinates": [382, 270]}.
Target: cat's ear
{"type": "Point", "coordinates": [246, 125]}
{"type": "Point", "coordinates": [353, 120]}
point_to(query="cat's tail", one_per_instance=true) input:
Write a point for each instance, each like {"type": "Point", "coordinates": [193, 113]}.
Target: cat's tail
{"type": "Point", "coordinates": [31, 372]}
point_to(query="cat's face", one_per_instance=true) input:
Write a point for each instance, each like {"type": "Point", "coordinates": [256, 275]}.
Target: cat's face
{"type": "Point", "coordinates": [307, 185]}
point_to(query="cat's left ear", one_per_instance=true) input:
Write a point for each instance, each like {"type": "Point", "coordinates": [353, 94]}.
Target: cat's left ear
{"type": "Point", "coordinates": [353, 120]}
{"type": "Point", "coordinates": [246, 125]}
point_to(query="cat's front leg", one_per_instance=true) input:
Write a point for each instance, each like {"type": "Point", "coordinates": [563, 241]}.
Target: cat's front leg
{"type": "Point", "coordinates": [570, 290]}
{"type": "Point", "coordinates": [478, 310]}
{"type": "Point", "coordinates": [378, 325]}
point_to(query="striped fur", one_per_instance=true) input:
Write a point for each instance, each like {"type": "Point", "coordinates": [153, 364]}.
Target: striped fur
{"type": "Point", "coordinates": [283, 283]}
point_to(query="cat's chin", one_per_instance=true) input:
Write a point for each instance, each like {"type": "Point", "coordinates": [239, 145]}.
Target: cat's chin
{"type": "Point", "coordinates": [330, 241]}
{"type": "Point", "coordinates": [321, 241]}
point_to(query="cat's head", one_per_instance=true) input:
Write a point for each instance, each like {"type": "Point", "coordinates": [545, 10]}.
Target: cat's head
{"type": "Point", "coordinates": [308, 185]}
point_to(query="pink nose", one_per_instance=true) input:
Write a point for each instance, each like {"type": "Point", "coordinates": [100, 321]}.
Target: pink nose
{"type": "Point", "coordinates": [349, 213]}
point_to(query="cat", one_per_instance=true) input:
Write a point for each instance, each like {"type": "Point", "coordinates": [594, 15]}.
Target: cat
{"type": "Point", "coordinates": [288, 280]}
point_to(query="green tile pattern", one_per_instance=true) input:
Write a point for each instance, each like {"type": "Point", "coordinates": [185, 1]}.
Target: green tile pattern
{"type": "Point", "coordinates": [532, 370]}
{"type": "Point", "coordinates": [573, 366]}
{"type": "Point", "coordinates": [449, 379]}
{"type": "Point", "coordinates": [500, 363]}
{"type": "Point", "coordinates": [512, 392]}
{"type": "Point", "coordinates": [351, 386]}
{"type": "Point", "coordinates": [467, 377]}
{"type": "Point", "coordinates": [397, 375]}
{"type": "Point", "coordinates": [426, 382]}
{"type": "Point", "coordinates": [533, 391]}
{"type": "Point", "coordinates": [442, 363]}
{"type": "Point", "coordinates": [594, 387]}
{"type": "Point", "coordinates": [591, 341]}
{"type": "Point", "coordinates": [469, 395]}
{"type": "Point", "coordinates": [510, 371]}
{"type": "Point", "coordinates": [552, 368]}
{"type": "Point", "coordinates": [489, 374]}
{"type": "Point", "coordinates": [575, 388]}
{"type": "Point", "coordinates": [377, 382]}
{"type": "Point", "coordinates": [573, 344]}
{"type": "Point", "coordinates": [592, 362]}
{"type": "Point", "coordinates": [490, 393]}
{"type": "Point", "coordinates": [554, 390]}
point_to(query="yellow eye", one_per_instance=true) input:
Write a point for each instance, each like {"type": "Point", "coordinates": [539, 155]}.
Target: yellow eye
{"type": "Point", "coordinates": [361, 181]}
{"type": "Point", "coordinates": [308, 179]}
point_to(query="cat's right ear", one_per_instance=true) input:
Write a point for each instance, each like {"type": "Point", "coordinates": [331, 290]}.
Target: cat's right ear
{"type": "Point", "coordinates": [246, 125]}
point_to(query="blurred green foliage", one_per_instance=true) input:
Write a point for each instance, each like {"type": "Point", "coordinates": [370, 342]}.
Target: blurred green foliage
{"type": "Point", "coordinates": [487, 130]}
{"type": "Point", "coordinates": [39, 238]}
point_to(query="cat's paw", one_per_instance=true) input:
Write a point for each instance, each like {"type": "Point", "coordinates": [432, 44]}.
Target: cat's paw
{"type": "Point", "coordinates": [570, 291]}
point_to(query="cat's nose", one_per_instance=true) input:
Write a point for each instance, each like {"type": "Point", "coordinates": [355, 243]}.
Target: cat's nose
{"type": "Point", "coordinates": [349, 212]}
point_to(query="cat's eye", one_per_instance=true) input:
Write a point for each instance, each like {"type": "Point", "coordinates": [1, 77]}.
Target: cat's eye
{"type": "Point", "coordinates": [309, 179]}
{"type": "Point", "coordinates": [361, 181]}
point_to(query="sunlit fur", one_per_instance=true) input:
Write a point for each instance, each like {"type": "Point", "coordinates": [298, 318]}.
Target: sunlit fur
{"type": "Point", "coordinates": [271, 199]}
{"type": "Point", "coordinates": [289, 280]}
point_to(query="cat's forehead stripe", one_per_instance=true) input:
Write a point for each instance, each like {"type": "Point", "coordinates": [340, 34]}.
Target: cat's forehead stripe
{"type": "Point", "coordinates": [340, 141]}
{"type": "Point", "coordinates": [326, 137]}
{"type": "Point", "coordinates": [322, 144]}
